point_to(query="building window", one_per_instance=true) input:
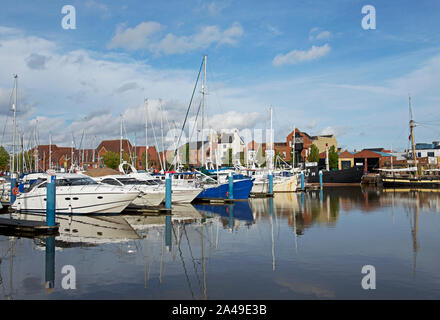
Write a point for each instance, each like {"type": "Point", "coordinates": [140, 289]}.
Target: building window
{"type": "Point", "coordinates": [419, 154]}
{"type": "Point", "coordinates": [431, 154]}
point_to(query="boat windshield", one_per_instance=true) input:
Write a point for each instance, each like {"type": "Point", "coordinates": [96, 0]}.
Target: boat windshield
{"type": "Point", "coordinates": [133, 181]}
{"type": "Point", "coordinates": [83, 181]}
{"type": "Point", "coordinates": [130, 181]}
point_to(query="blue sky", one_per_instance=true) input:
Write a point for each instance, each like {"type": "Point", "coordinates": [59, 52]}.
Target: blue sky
{"type": "Point", "coordinates": [311, 60]}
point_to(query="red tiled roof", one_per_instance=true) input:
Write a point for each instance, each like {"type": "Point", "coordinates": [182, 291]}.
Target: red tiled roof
{"type": "Point", "coordinates": [114, 146]}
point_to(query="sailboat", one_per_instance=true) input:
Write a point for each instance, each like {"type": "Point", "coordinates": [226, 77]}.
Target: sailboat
{"type": "Point", "coordinates": [410, 177]}
{"type": "Point", "coordinates": [215, 183]}
{"type": "Point", "coordinates": [283, 180]}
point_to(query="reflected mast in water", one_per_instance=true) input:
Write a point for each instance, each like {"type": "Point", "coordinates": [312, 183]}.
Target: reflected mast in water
{"type": "Point", "coordinates": [271, 225]}
{"type": "Point", "coordinates": [414, 230]}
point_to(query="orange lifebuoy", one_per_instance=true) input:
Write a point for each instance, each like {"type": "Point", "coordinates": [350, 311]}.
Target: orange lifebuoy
{"type": "Point", "coordinates": [227, 194]}
{"type": "Point", "coordinates": [15, 191]}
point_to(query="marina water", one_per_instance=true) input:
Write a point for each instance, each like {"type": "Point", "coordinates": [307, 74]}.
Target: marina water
{"type": "Point", "coordinates": [294, 246]}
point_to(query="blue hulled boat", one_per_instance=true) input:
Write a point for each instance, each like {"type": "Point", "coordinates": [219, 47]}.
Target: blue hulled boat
{"type": "Point", "coordinates": [242, 188]}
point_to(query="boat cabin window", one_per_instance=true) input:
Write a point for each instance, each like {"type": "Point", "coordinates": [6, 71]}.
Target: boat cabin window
{"type": "Point", "coordinates": [112, 182]}
{"type": "Point", "coordinates": [75, 182]}
{"type": "Point", "coordinates": [150, 182]}
{"type": "Point", "coordinates": [43, 185]}
{"type": "Point", "coordinates": [129, 181]}
{"type": "Point", "coordinates": [35, 183]}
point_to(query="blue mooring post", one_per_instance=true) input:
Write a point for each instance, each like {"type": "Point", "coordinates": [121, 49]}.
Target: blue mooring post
{"type": "Point", "coordinates": [13, 185]}
{"type": "Point", "coordinates": [168, 233]}
{"type": "Point", "coordinates": [50, 201]}
{"type": "Point", "coordinates": [270, 177]}
{"type": "Point", "coordinates": [302, 180]}
{"type": "Point", "coordinates": [50, 264]}
{"type": "Point", "coordinates": [168, 191]}
{"type": "Point", "coordinates": [231, 186]}
{"type": "Point", "coordinates": [320, 179]}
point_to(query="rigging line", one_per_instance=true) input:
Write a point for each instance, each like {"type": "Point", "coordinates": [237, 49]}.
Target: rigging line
{"type": "Point", "coordinates": [4, 128]}
{"type": "Point", "coordinates": [189, 107]}
{"type": "Point", "coordinates": [184, 267]}
{"type": "Point", "coordinates": [220, 107]}
{"type": "Point", "coordinates": [192, 258]}
{"type": "Point", "coordinates": [155, 139]}
{"type": "Point", "coordinates": [7, 117]}
{"type": "Point", "coordinates": [195, 122]}
{"type": "Point", "coordinates": [130, 150]}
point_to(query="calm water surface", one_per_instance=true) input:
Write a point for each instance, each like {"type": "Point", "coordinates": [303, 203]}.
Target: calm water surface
{"type": "Point", "coordinates": [295, 246]}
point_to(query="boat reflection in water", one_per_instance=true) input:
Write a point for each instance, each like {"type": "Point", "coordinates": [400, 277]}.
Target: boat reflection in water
{"type": "Point", "coordinates": [88, 229]}
{"type": "Point", "coordinates": [231, 215]}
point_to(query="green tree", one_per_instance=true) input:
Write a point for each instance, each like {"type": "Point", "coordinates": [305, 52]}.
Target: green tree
{"type": "Point", "coordinates": [111, 159]}
{"type": "Point", "coordinates": [4, 159]}
{"type": "Point", "coordinates": [187, 154]}
{"type": "Point", "coordinates": [242, 158]}
{"type": "Point", "coordinates": [333, 158]}
{"type": "Point", "coordinates": [314, 154]}
{"type": "Point", "coordinates": [230, 164]}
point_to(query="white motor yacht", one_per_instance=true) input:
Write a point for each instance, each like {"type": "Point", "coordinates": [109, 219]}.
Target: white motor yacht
{"type": "Point", "coordinates": [75, 194]}
{"type": "Point", "coordinates": [184, 190]}
{"type": "Point", "coordinates": [151, 193]}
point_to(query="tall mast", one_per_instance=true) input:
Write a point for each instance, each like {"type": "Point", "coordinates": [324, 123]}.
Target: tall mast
{"type": "Point", "coordinates": [164, 166]}
{"type": "Point", "coordinates": [14, 108]}
{"type": "Point", "coordinates": [412, 124]}
{"type": "Point", "coordinates": [37, 156]}
{"type": "Point", "coordinates": [135, 154]}
{"type": "Point", "coordinates": [72, 155]}
{"type": "Point", "coordinates": [120, 144]}
{"type": "Point", "coordinates": [146, 134]}
{"type": "Point", "coordinates": [272, 152]}
{"type": "Point", "coordinates": [22, 152]}
{"type": "Point", "coordinates": [293, 147]}
{"type": "Point", "coordinates": [50, 151]}
{"type": "Point", "coordinates": [203, 107]}
{"type": "Point", "coordinates": [94, 144]}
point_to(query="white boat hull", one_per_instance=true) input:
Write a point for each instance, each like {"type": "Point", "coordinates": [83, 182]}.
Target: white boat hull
{"type": "Point", "coordinates": [184, 195]}
{"type": "Point", "coordinates": [75, 202]}
{"type": "Point", "coordinates": [288, 184]}
{"type": "Point", "coordinates": [150, 199]}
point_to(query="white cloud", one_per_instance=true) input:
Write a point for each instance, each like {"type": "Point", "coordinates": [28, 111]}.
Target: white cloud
{"type": "Point", "coordinates": [324, 35]}
{"type": "Point", "coordinates": [141, 37]}
{"type": "Point", "coordinates": [274, 30]}
{"type": "Point", "coordinates": [100, 7]}
{"type": "Point", "coordinates": [296, 56]}
{"type": "Point", "coordinates": [214, 8]}
{"type": "Point", "coordinates": [235, 120]}
{"type": "Point", "coordinates": [317, 34]}
{"type": "Point", "coordinates": [335, 130]}
{"type": "Point", "coordinates": [134, 38]}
